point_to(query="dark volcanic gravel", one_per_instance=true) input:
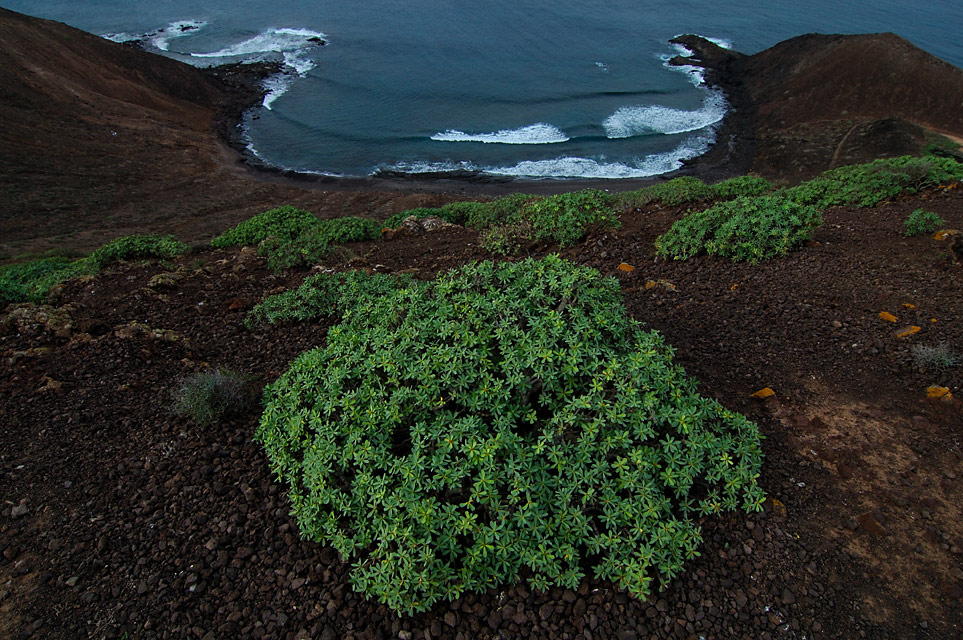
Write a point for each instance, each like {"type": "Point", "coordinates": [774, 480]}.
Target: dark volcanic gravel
{"type": "Point", "coordinates": [120, 520]}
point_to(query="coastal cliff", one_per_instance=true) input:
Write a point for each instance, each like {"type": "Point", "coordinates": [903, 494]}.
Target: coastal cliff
{"type": "Point", "coordinates": [816, 102]}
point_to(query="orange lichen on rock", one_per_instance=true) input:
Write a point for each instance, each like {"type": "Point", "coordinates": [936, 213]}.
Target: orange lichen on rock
{"type": "Point", "coordinates": [938, 393]}
{"type": "Point", "coordinates": [943, 234]}
{"type": "Point", "coordinates": [652, 284]}
{"type": "Point", "coordinates": [887, 316]}
{"type": "Point", "coordinates": [908, 305]}
{"type": "Point", "coordinates": [908, 331]}
{"type": "Point", "coordinates": [764, 393]}
{"type": "Point", "coordinates": [626, 267]}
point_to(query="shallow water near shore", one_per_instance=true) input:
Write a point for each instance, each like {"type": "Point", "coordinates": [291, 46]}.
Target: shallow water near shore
{"type": "Point", "coordinates": [581, 90]}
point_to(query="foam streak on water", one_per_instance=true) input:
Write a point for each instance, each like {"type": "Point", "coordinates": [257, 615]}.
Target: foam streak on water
{"type": "Point", "coordinates": [538, 133]}
{"type": "Point", "coordinates": [648, 119]}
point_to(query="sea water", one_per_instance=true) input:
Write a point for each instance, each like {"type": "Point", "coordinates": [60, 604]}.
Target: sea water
{"type": "Point", "coordinates": [567, 89]}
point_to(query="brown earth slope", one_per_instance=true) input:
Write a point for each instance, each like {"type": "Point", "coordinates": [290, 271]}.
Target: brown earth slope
{"type": "Point", "coordinates": [816, 102]}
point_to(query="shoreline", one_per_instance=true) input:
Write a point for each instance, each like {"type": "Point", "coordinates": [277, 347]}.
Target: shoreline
{"type": "Point", "coordinates": [728, 156]}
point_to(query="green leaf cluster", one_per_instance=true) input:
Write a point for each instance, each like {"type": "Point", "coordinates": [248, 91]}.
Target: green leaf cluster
{"type": "Point", "coordinates": [867, 185]}
{"type": "Point", "coordinates": [745, 229]}
{"type": "Point", "coordinates": [292, 237]}
{"type": "Point", "coordinates": [325, 295]}
{"type": "Point", "coordinates": [32, 281]}
{"type": "Point", "coordinates": [922, 222]}
{"type": "Point", "coordinates": [137, 247]}
{"type": "Point", "coordinates": [284, 222]}
{"type": "Point", "coordinates": [314, 241]}
{"type": "Point", "coordinates": [561, 219]}
{"type": "Point", "coordinates": [688, 190]}
{"type": "Point", "coordinates": [211, 396]}
{"type": "Point", "coordinates": [503, 421]}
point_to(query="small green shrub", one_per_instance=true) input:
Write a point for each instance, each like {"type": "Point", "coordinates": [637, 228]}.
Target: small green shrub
{"type": "Point", "coordinates": [672, 193]}
{"type": "Point", "coordinates": [562, 219]}
{"type": "Point", "coordinates": [315, 240]}
{"type": "Point", "coordinates": [325, 295]}
{"type": "Point", "coordinates": [284, 223]}
{"type": "Point", "coordinates": [503, 421]}
{"type": "Point", "coordinates": [461, 212]}
{"type": "Point", "coordinates": [421, 212]}
{"type": "Point", "coordinates": [937, 358]}
{"type": "Point", "coordinates": [741, 186]}
{"type": "Point", "coordinates": [137, 247]}
{"type": "Point", "coordinates": [32, 281]}
{"type": "Point", "coordinates": [922, 222]}
{"type": "Point", "coordinates": [211, 396]}
{"type": "Point", "coordinates": [744, 229]}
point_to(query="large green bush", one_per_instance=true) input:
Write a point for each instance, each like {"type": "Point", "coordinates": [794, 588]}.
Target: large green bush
{"type": "Point", "coordinates": [744, 229]}
{"type": "Point", "coordinates": [314, 241]}
{"type": "Point", "coordinates": [503, 422]}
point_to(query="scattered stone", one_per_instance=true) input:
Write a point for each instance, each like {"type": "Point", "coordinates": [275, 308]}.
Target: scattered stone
{"type": "Point", "coordinates": [19, 511]}
{"type": "Point", "coordinates": [763, 393]}
{"type": "Point", "coordinates": [34, 320]}
{"type": "Point", "coordinates": [907, 331]}
{"type": "Point", "coordinates": [869, 524]}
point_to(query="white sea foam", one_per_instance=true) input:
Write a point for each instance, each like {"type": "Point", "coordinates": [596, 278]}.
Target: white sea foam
{"type": "Point", "coordinates": [268, 41]}
{"type": "Point", "coordinates": [294, 46]}
{"type": "Point", "coordinates": [602, 66]}
{"type": "Point", "coordinates": [421, 166]}
{"type": "Point", "coordinates": [538, 133]}
{"type": "Point", "coordinates": [646, 119]}
{"type": "Point", "coordinates": [161, 38]}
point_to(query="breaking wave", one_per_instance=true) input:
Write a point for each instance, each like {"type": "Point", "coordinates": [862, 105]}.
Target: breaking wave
{"type": "Point", "coordinates": [538, 133]}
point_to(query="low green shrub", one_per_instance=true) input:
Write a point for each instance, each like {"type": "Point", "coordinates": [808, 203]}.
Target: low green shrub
{"type": "Point", "coordinates": [421, 212]}
{"type": "Point", "coordinates": [32, 281]}
{"type": "Point", "coordinates": [325, 295]}
{"type": "Point", "coordinates": [741, 186]}
{"type": "Point", "coordinates": [672, 193]}
{"type": "Point", "coordinates": [922, 222]}
{"type": "Point", "coordinates": [867, 185]}
{"type": "Point", "coordinates": [137, 247]}
{"type": "Point", "coordinates": [562, 219]}
{"type": "Point", "coordinates": [284, 223]}
{"type": "Point", "coordinates": [501, 422]}
{"type": "Point", "coordinates": [744, 229]}
{"type": "Point", "coordinates": [211, 396]}
{"type": "Point", "coordinates": [315, 240]}
{"type": "Point", "coordinates": [461, 212]}
{"type": "Point", "coordinates": [937, 358]}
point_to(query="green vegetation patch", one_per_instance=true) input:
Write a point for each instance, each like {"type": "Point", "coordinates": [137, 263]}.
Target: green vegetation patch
{"type": "Point", "coordinates": [867, 185]}
{"type": "Point", "coordinates": [690, 190]}
{"type": "Point", "coordinates": [209, 397]}
{"type": "Point", "coordinates": [562, 219]}
{"type": "Point", "coordinates": [291, 237]}
{"type": "Point", "coordinates": [503, 422]}
{"type": "Point", "coordinates": [922, 222]}
{"type": "Point", "coordinates": [32, 281]}
{"type": "Point", "coordinates": [744, 229]}
{"type": "Point", "coordinates": [326, 295]}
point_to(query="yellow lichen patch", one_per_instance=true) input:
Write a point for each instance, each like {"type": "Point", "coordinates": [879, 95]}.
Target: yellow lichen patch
{"type": "Point", "coordinates": [938, 392]}
{"type": "Point", "coordinates": [626, 267]}
{"type": "Point", "coordinates": [908, 331]}
{"type": "Point", "coordinates": [778, 508]}
{"type": "Point", "coordinates": [734, 287]}
{"type": "Point", "coordinates": [908, 305]}
{"type": "Point", "coordinates": [932, 319]}
{"type": "Point", "coordinates": [665, 284]}
{"type": "Point", "coordinates": [763, 393]}
{"type": "Point", "coordinates": [943, 234]}
{"type": "Point", "coordinates": [887, 316]}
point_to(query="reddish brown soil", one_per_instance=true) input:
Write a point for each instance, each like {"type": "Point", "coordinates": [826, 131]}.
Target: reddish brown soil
{"type": "Point", "coordinates": [121, 520]}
